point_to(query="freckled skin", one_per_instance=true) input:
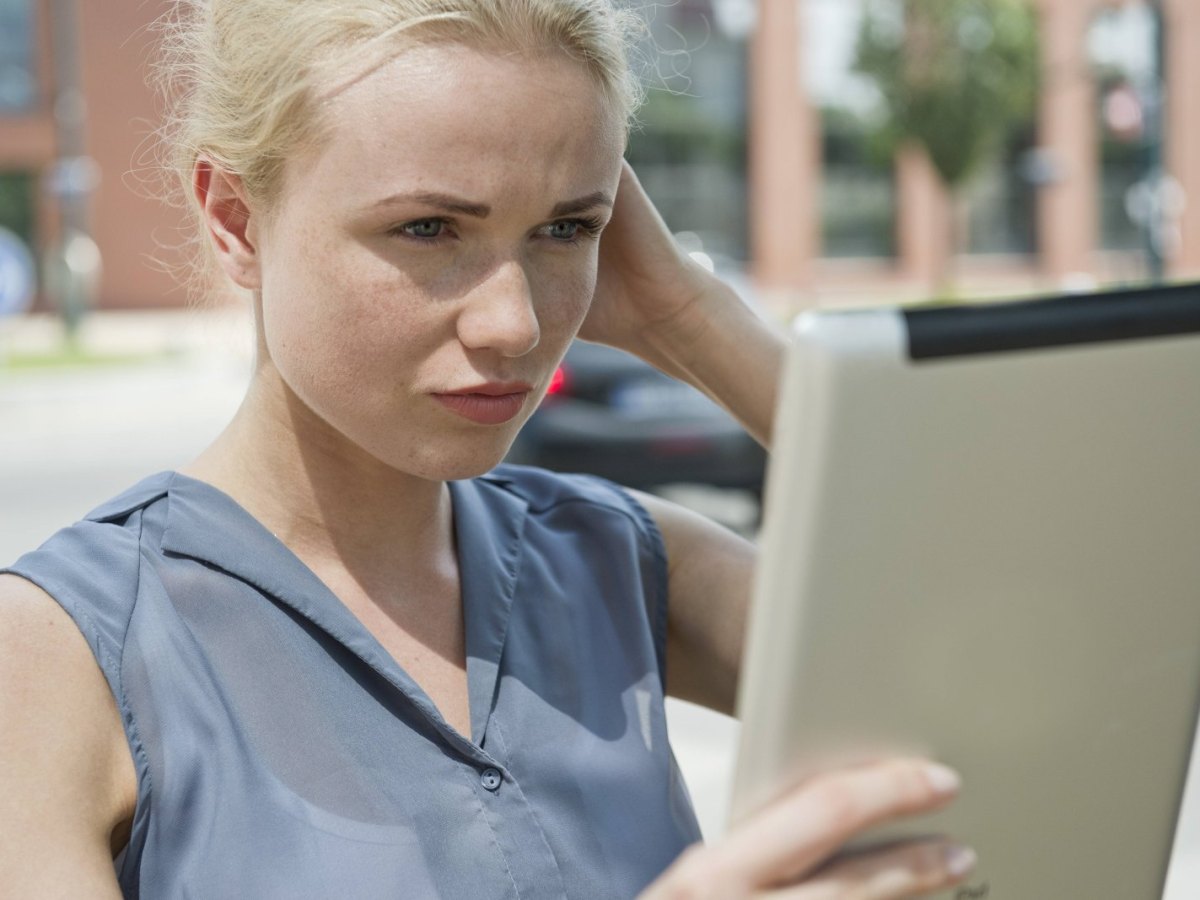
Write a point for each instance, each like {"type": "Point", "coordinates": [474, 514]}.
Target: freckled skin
{"type": "Point", "coordinates": [360, 325]}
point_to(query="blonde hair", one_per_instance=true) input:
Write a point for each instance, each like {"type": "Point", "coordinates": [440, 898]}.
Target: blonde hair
{"type": "Point", "coordinates": [242, 80]}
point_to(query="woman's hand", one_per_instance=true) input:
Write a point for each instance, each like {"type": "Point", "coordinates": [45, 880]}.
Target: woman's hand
{"type": "Point", "coordinates": [789, 849]}
{"type": "Point", "coordinates": [656, 302]}
{"type": "Point", "coordinates": [645, 282]}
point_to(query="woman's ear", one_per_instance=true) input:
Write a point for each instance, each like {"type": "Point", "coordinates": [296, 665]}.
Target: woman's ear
{"type": "Point", "coordinates": [228, 222]}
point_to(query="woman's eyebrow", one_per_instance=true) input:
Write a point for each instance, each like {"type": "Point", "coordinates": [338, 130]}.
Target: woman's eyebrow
{"type": "Point", "coordinates": [450, 203]}
{"type": "Point", "coordinates": [443, 202]}
{"type": "Point", "coordinates": [581, 204]}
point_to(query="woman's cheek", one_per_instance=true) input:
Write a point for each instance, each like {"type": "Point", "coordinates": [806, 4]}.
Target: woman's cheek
{"type": "Point", "coordinates": [320, 337]}
{"type": "Point", "coordinates": [570, 298]}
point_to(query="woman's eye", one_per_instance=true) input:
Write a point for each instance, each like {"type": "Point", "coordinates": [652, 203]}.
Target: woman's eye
{"type": "Point", "coordinates": [573, 231]}
{"type": "Point", "coordinates": [426, 229]}
{"type": "Point", "coordinates": [566, 230]}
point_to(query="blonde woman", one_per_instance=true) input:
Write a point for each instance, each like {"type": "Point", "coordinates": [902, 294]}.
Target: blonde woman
{"type": "Point", "coordinates": [341, 654]}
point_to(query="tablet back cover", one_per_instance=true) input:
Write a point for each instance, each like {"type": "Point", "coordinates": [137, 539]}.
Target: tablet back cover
{"type": "Point", "coordinates": [991, 557]}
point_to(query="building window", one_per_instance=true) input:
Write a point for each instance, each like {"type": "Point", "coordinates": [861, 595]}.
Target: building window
{"type": "Point", "coordinates": [1002, 201]}
{"type": "Point", "coordinates": [858, 190]}
{"type": "Point", "coordinates": [18, 86]}
{"type": "Point", "coordinates": [858, 202]}
{"type": "Point", "coordinates": [1122, 48]}
{"type": "Point", "coordinates": [17, 205]}
{"type": "Point", "coordinates": [689, 147]}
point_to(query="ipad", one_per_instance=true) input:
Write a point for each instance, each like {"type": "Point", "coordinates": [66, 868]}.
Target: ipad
{"type": "Point", "coordinates": [982, 543]}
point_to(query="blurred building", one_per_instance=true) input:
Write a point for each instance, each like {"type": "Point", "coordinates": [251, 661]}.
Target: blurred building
{"type": "Point", "coordinates": [103, 131]}
{"type": "Point", "coordinates": [754, 140]}
{"type": "Point", "coordinates": [1059, 207]}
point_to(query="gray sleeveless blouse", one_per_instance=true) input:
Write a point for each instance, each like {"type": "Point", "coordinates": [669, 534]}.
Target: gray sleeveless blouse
{"type": "Point", "coordinates": [282, 753]}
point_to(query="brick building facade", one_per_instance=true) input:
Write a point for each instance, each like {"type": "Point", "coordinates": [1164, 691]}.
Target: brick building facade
{"type": "Point", "coordinates": [128, 225]}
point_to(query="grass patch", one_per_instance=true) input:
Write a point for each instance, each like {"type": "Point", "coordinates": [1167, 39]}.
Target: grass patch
{"type": "Point", "coordinates": [68, 357]}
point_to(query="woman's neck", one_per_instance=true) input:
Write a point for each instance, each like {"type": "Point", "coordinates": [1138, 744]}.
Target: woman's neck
{"type": "Point", "coordinates": [330, 502]}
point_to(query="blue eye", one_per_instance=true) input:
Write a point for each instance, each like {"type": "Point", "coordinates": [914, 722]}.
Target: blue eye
{"type": "Point", "coordinates": [573, 231]}
{"type": "Point", "coordinates": [566, 230]}
{"type": "Point", "coordinates": [424, 229]}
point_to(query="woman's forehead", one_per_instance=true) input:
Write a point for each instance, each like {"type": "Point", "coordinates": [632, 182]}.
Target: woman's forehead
{"type": "Point", "coordinates": [449, 107]}
{"type": "Point", "coordinates": [438, 79]}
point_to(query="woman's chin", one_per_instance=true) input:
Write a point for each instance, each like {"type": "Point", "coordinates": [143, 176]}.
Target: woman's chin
{"type": "Point", "coordinates": [457, 464]}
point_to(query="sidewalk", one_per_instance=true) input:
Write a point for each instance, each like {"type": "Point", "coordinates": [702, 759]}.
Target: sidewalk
{"type": "Point", "coordinates": [225, 330]}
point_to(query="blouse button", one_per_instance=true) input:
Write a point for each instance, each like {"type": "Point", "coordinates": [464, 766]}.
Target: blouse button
{"type": "Point", "coordinates": [491, 779]}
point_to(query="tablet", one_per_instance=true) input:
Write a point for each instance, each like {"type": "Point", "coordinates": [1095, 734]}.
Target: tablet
{"type": "Point", "coordinates": [982, 543]}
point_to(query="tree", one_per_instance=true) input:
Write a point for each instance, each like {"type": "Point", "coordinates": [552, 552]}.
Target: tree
{"type": "Point", "coordinates": [954, 77]}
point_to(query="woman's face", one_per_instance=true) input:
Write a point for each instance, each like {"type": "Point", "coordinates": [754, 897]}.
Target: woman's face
{"type": "Point", "coordinates": [429, 263]}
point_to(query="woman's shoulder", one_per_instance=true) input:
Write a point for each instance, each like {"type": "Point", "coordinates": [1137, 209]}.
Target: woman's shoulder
{"type": "Point", "coordinates": [65, 610]}
{"type": "Point", "coordinates": [109, 529]}
{"type": "Point", "coordinates": [91, 568]}
{"type": "Point", "coordinates": [66, 774]}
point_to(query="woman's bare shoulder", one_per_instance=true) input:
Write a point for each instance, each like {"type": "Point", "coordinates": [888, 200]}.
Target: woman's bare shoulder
{"type": "Point", "coordinates": [67, 781]}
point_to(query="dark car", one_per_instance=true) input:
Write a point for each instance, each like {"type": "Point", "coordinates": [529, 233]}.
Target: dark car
{"type": "Point", "coordinates": [610, 414]}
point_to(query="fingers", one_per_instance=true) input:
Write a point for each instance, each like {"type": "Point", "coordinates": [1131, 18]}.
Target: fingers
{"type": "Point", "coordinates": [771, 852]}
{"type": "Point", "coordinates": [808, 825]}
{"type": "Point", "coordinates": [906, 870]}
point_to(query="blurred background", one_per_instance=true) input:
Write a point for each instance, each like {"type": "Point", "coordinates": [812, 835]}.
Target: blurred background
{"type": "Point", "coordinates": [812, 152]}
{"type": "Point", "coordinates": [792, 140]}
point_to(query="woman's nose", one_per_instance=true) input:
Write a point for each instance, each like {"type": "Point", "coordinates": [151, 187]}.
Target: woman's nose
{"type": "Point", "coordinates": [499, 314]}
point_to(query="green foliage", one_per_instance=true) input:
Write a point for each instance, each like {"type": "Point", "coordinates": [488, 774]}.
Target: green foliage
{"type": "Point", "coordinates": [70, 356]}
{"type": "Point", "coordinates": [954, 77]}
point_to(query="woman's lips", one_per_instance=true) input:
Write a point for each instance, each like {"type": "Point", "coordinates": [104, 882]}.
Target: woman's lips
{"type": "Point", "coordinates": [484, 408]}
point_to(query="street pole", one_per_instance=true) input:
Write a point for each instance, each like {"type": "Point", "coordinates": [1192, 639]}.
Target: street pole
{"type": "Point", "coordinates": [73, 264]}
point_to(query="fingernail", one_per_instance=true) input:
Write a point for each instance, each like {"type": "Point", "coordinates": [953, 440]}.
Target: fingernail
{"type": "Point", "coordinates": [942, 779]}
{"type": "Point", "coordinates": [960, 860]}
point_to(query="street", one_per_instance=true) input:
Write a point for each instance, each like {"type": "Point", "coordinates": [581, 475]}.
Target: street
{"type": "Point", "coordinates": [71, 438]}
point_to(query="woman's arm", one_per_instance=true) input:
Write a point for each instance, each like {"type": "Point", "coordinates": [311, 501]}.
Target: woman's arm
{"type": "Point", "coordinates": [709, 572]}
{"type": "Point", "coordinates": [67, 784]}
{"type": "Point", "coordinates": [654, 301]}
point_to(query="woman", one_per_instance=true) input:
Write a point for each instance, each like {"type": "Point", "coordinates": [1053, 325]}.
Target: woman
{"type": "Point", "coordinates": [332, 655]}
